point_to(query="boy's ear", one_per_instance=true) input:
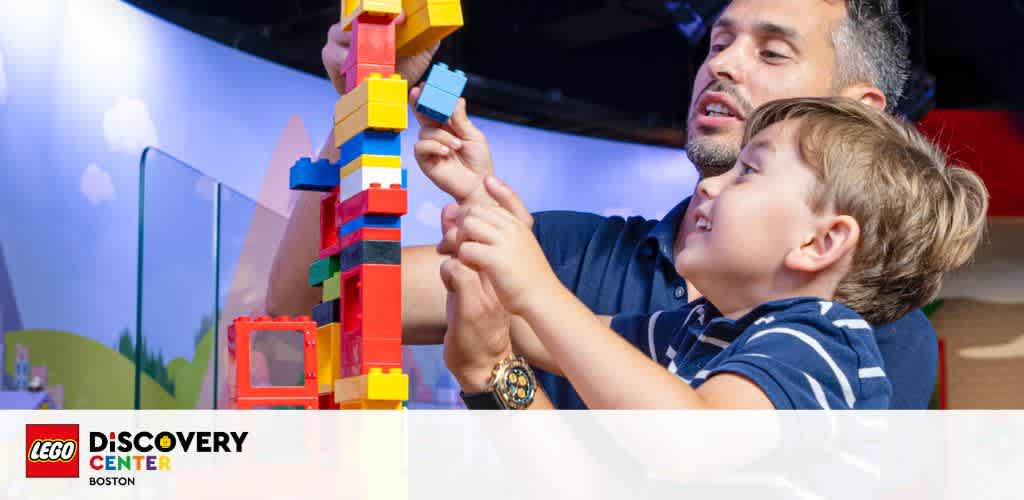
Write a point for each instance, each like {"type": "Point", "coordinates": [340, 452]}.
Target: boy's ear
{"type": "Point", "coordinates": [836, 237]}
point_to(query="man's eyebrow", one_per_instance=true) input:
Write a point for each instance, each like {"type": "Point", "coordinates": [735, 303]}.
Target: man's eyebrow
{"type": "Point", "coordinates": [766, 28]}
{"type": "Point", "coordinates": [723, 23]}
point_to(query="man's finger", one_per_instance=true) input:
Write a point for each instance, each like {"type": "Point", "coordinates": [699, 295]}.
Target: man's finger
{"type": "Point", "coordinates": [449, 244]}
{"type": "Point", "coordinates": [508, 199]}
{"type": "Point", "coordinates": [447, 268]}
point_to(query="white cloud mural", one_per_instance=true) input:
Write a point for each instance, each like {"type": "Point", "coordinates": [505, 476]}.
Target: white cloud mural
{"type": "Point", "coordinates": [128, 127]}
{"type": "Point", "coordinates": [96, 185]}
{"type": "Point", "coordinates": [429, 215]}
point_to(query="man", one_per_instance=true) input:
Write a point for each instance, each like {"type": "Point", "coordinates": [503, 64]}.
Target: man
{"type": "Point", "coordinates": [760, 50]}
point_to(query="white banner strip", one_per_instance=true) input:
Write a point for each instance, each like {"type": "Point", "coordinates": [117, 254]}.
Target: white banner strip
{"type": "Point", "coordinates": [489, 455]}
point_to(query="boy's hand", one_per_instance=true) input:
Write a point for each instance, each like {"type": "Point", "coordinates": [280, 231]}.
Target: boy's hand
{"type": "Point", "coordinates": [454, 155]}
{"type": "Point", "coordinates": [478, 327]}
{"type": "Point", "coordinates": [336, 50]}
{"type": "Point", "coordinates": [496, 241]}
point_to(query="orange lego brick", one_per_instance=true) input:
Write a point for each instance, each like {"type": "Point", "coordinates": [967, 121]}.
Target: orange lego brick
{"type": "Point", "coordinates": [372, 301]}
{"type": "Point", "coordinates": [360, 354]}
{"type": "Point", "coordinates": [240, 357]}
{"type": "Point", "coordinates": [329, 244]}
{"type": "Point", "coordinates": [374, 201]}
{"type": "Point", "coordinates": [373, 41]}
{"type": "Point", "coordinates": [249, 403]}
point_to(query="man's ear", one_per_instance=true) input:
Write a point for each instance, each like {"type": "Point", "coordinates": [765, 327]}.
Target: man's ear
{"type": "Point", "coordinates": [836, 237]}
{"type": "Point", "coordinates": [866, 94]}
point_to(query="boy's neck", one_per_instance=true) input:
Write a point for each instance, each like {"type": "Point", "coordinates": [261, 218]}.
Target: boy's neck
{"type": "Point", "coordinates": [734, 305]}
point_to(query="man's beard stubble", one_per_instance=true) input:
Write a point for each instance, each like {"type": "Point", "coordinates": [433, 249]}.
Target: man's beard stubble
{"type": "Point", "coordinates": [711, 157]}
{"type": "Point", "coordinates": [715, 156]}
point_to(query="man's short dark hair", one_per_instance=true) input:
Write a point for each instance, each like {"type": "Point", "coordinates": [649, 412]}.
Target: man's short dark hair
{"type": "Point", "coordinates": [872, 46]}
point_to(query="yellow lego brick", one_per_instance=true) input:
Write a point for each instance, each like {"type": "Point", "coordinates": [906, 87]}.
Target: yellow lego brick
{"type": "Point", "coordinates": [373, 390]}
{"type": "Point", "coordinates": [332, 288]}
{"type": "Point", "coordinates": [392, 90]}
{"type": "Point", "coordinates": [371, 161]}
{"type": "Point", "coordinates": [374, 115]}
{"type": "Point", "coordinates": [351, 9]}
{"type": "Point", "coordinates": [427, 22]}
{"type": "Point", "coordinates": [328, 355]}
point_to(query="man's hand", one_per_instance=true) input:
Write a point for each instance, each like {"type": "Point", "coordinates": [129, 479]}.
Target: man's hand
{"type": "Point", "coordinates": [336, 50]}
{"type": "Point", "coordinates": [494, 240]}
{"type": "Point", "coordinates": [453, 155]}
{"type": "Point", "coordinates": [478, 327]}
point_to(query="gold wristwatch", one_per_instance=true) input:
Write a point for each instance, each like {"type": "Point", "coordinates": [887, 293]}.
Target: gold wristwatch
{"type": "Point", "coordinates": [512, 387]}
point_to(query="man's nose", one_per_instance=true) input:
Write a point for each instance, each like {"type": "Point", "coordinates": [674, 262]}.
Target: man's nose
{"type": "Point", "coordinates": [727, 64]}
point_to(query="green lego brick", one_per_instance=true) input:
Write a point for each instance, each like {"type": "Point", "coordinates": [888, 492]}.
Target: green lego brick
{"type": "Point", "coordinates": [332, 288]}
{"type": "Point", "coordinates": [322, 270]}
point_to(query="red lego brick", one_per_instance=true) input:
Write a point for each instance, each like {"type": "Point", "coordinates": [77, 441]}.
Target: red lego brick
{"type": "Point", "coordinates": [359, 354]}
{"type": "Point", "coordinates": [247, 403]}
{"type": "Point", "coordinates": [374, 201]}
{"type": "Point", "coordinates": [329, 244]}
{"type": "Point", "coordinates": [356, 73]}
{"type": "Point", "coordinates": [326, 401]}
{"type": "Point", "coordinates": [371, 233]}
{"type": "Point", "coordinates": [240, 357]}
{"type": "Point", "coordinates": [373, 41]}
{"type": "Point", "coordinates": [372, 301]}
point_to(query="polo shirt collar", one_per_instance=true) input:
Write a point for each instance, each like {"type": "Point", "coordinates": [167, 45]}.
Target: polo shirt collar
{"type": "Point", "coordinates": [664, 232]}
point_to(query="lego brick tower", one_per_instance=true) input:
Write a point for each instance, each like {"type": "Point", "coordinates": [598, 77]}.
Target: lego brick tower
{"type": "Point", "coordinates": [359, 321]}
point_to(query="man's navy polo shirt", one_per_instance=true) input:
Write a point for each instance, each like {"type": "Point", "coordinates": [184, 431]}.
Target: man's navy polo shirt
{"type": "Point", "coordinates": [804, 353]}
{"type": "Point", "coordinates": [622, 266]}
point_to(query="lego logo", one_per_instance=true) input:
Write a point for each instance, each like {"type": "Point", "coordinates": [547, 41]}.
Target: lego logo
{"type": "Point", "coordinates": [52, 450]}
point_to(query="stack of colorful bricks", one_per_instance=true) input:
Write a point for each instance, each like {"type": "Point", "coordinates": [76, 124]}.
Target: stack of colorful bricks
{"type": "Point", "coordinates": [359, 321]}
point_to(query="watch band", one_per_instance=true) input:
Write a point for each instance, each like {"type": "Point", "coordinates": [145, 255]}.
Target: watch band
{"type": "Point", "coordinates": [488, 400]}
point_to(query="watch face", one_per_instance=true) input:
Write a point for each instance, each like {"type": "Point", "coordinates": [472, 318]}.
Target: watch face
{"type": "Point", "coordinates": [517, 385]}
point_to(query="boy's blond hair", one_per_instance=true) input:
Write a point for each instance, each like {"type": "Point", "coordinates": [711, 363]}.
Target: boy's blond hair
{"type": "Point", "coordinates": [919, 217]}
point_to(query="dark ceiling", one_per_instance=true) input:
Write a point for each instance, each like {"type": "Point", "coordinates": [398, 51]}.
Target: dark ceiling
{"type": "Point", "coordinates": [617, 68]}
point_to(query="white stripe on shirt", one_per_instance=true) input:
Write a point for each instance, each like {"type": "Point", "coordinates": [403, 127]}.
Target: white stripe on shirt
{"type": "Point", "coordinates": [825, 307]}
{"type": "Point", "coordinates": [855, 324]}
{"type": "Point", "coordinates": [819, 393]}
{"type": "Point", "coordinates": [650, 334]}
{"type": "Point", "coordinates": [816, 346]}
{"type": "Point", "coordinates": [872, 372]}
{"type": "Point", "coordinates": [713, 341]}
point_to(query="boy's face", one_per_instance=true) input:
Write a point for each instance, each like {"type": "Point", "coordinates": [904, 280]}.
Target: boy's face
{"type": "Point", "coordinates": [749, 218]}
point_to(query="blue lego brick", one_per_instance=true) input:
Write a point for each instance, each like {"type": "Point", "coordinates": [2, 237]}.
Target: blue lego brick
{"type": "Point", "coordinates": [371, 142]}
{"type": "Point", "coordinates": [308, 175]}
{"type": "Point", "coordinates": [452, 82]}
{"type": "Point", "coordinates": [405, 178]}
{"type": "Point", "coordinates": [436, 103]}
{"type": "Point", "coordinates": [386, 221]}
{"type": "Point", "coordinates": [440, 92]}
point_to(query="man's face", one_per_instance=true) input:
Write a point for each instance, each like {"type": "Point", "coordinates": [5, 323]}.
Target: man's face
{"type": "Point", "coordinates": [760, 51]}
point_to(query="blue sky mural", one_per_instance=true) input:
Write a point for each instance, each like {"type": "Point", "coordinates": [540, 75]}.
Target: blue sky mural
{"type": "Point", "coordinates": [85, 87]}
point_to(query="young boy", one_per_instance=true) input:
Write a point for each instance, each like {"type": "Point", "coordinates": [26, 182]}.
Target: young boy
{"type": "Point", "coordinates": [834, 217]}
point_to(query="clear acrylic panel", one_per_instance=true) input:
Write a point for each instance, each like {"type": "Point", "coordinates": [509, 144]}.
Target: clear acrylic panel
{"type": "Point", "coordinates": [176, 285]}
{"type": "Point", "coordinates": [248, 235]}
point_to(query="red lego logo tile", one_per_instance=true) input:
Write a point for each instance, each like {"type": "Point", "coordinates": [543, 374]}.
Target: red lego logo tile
{"type": "Point", "coordinates": [51, 450]}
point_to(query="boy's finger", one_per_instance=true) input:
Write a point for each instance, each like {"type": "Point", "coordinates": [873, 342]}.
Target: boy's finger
{"type": "Point", "coordinates": [508, 199]}
{"type": "Point", "coordinates": [449, 244]}
{"type": "Point", "coordinates": [447, 268]}
{"type": "Point", "coordinates": [477, 229]}
{"type": "Point", "coordinates": [422, 119]}
{"type": "Point", "coordinates": [461, 124]}
{"type": "Point", "coordinates": [430, 148]}
{"type": "Point", "coordinates": [442, 136]}
{"type": "Point", "coordinates": [475, 255]}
